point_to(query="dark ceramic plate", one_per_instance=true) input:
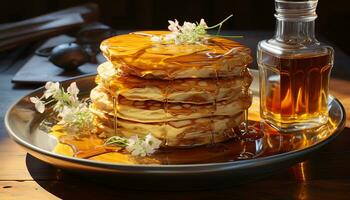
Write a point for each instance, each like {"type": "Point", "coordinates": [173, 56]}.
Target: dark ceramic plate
{"type": "Point", "coordinates": [22, 124]}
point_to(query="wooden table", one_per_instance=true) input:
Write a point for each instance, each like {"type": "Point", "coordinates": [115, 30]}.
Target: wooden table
{"type": "Point", "coordinates": [326, 175]}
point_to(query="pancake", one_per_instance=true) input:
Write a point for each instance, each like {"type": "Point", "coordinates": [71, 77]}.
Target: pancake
{"type": "Point", "coordinates": [136, 54]}
{"type": "Point", "coordinates": [155, 111]}
{"type": "Point", "coordinates": [183, 94]}
{"type": "Point", "coordinates": [185, 133]}
{"type": "Point", "coordinates": [195, 91]}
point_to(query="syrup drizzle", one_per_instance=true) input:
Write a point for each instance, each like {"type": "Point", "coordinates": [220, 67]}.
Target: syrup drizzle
{"type": "Point", "coordinates": [216, 92]}
{"type": "Point", "coordinates": [87, 147]}
{"type": "Point", "coordinates": [165, 124]}
{"type": "Point", "coordinates": [115, 112]}
{"type": "Point", "coordinates": [134, 53]}
{"type": "Point", "coordinates": [264, 141]}
{"type": "Point", "coordinates": [245, 90]}
{"type": "Point", "coordinates": [166, 103]}
{"type": "Point", "coordinates": [115, 99]}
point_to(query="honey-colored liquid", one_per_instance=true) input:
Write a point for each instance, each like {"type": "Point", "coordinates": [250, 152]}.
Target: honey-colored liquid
{"type": "Point", "coordinates": [294, 90]}
{"type": "Point", "coordinates": [137, 55]}
{"type": "Point", "coordinates": [261, 141]}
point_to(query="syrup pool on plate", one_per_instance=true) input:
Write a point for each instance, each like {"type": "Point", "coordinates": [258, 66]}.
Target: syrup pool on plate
{"type": "Point", "coordinates": [261, 140]}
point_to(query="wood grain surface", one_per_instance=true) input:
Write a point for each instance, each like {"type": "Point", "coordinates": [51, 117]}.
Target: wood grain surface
{"type": "Point", "coordinates": [326, 175]}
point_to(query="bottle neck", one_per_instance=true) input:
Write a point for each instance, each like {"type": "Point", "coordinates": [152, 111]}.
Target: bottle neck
{"type": "Point", "coordinates": [295, 32]}
{"type": "Point", "coordinates": [295, 21]}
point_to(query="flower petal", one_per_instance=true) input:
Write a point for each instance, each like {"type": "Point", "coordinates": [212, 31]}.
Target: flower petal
{"type": "Point", "coordinates": [203, 23]}
{"type": "Point", "coordinates": [73, 89]}
{"type": "Point", "coordinates": [51, 89]}
{"type": "Point", "coordinates": [40, 106]}
{"type": "Point", "coordinates": [34, 99]}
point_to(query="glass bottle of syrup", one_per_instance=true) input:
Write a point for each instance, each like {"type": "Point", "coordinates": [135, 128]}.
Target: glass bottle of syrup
{"type": "Point", "coordinates": [294, 70]}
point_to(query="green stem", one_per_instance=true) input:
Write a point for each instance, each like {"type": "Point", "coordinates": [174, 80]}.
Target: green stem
{"type": "Point", "coordinates": [231, 36]}
{"type": "Point", "coordinates": [220, 24]}
{"type": "Point", "coordinates": [219, 29]}
{"type": "Point", "coordinates": [116, 140]}
{"type": "Point", "coordinates": [52, 100]}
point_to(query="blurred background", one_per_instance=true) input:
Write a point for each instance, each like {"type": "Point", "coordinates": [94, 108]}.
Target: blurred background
{"type": "Point", "coordinates": [332, 22]}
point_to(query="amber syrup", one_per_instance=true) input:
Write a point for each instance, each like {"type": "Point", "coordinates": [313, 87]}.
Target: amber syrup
{"type": "Point", "coordinates": [294, 90]}
{"type": "Point", "coordinates": [166, 104]}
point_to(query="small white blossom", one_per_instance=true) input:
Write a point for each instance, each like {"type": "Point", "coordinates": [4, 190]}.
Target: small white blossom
{"type": "Point", "coordinates": [66, 115]}
{"type": "Point", "coordinates": [135, 147]}
{"type": "Point", "coordinates": [73, 114]}
{"type": "Point", "coordinates": [142, 147]}
{"type": "Point", "coordinates": [203, 23]}
{"type": "Point", "coordinates": [51, 89]}
{"type": "Point", "coordinates": [39, 104]}
{"type": "Point", "coordinates": [76, 119]}
{"type": "Point", "coordinates": [173, 26]}
{"type": "Point", "coordinates": [73, 89]}
{"type": "Point", "coordinates": [188, 33]}
{"type": "Point", "coordinates": [73, 92]}
{"type": "Point", "coordinates": [188, 27]}
{"type": "Point", "coordinates": [151, 144]}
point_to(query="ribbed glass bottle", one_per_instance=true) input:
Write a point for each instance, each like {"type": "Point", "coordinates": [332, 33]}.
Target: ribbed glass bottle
{"type": "Point", "coordinates": [294, 70]}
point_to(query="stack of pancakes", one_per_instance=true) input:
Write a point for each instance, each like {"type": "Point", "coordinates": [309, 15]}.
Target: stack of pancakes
{"type": "Point", "coordinates": [183, 94]}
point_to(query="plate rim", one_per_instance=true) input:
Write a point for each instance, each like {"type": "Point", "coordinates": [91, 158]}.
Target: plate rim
{"type": "Point", "coordinates": [165, 168]}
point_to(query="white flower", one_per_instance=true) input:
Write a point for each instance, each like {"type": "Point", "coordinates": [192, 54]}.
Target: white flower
{"type": "Point", "coordinates": [142, 147]}
{"type": "Point", "coordinates": [202, 23]}
{"type": "Point", "coordinates": [188, 27]}
{"type": "Point", "coordinates": [188, 33]}
{"type": "Point", "coordinates": [73, 92]}
{"type": "Point", "coordinates": [173, 26]}
{"type": "Point", "coordinates": [151, 144]}
{"type": "Point", "coordinates": [135, 146]}
{"type": "Point", "coordinates": [51, 89]}
{"type": "Point", "coordinates": [39, 104]}
{"type": "Point", "coordinates": [76, 119]}
{"type": "Point", "coordinates": [66, 115]}
{"type": "Point", "coordinates": [73, 89]}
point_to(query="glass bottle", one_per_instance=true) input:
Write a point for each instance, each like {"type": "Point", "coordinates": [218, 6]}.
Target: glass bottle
{"type": "Point", "coordinates": [294, 70]}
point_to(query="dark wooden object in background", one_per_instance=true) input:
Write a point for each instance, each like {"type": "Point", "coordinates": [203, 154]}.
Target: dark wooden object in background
{"type": "Point", "coordinates": [38, 69]}
{"type": "Point", "coordinates": [38, 28]}
{"type": "Point", "coordinates": [153, 14]}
